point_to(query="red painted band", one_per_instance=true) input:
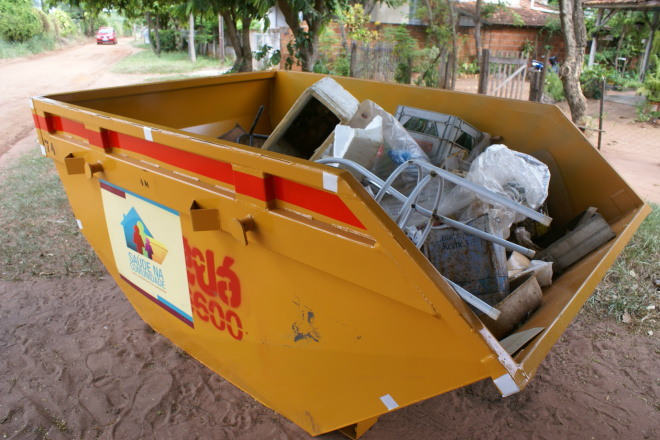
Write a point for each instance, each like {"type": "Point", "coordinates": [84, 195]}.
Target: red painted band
{"type": "Point", "coordinates": [253, 186]}
{"type": "Point", "coordinates": [215, 169]}
{"type": "Point", "coordinates": [322, 202]}
{"type": "Point", "coordinates": [306, 197]}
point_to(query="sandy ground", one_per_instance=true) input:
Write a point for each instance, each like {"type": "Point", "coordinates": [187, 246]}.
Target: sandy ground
{"type": "Point", "coordinates": [76, 361]}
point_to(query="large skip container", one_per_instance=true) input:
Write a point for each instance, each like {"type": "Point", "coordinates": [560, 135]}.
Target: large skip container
{"type": "Point", "coordinates": [284, 276]}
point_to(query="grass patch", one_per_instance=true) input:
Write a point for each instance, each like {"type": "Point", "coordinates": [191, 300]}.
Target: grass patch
{"type": "Point", "coordinates": [39, 236]}
{"type": "Point", "coordinates": [35, 45]}
{"type": "Point", "coordinates": [168, 63]}
{"type": "Point", "coordinates": [630, 291]}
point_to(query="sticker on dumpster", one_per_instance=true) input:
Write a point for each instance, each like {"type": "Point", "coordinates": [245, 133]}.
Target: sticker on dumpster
{"type": "Point", "coordinates": [147, 244]}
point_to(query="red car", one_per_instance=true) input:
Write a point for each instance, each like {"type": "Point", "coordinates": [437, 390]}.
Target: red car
{"type": "Point", "coordinates": [106, 35]}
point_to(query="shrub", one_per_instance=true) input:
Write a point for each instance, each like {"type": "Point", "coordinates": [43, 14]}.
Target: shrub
{"type": "Point", "coordinates": [404, 50]}
{"type": "Point", "coordinates": [19, 21]}
{"type": "Point", "coordinates": [554, 86]}
{"type": "Point", "coordinates": [167, 40]}
{"type": "Point", "coordinates": [65, 26]}
{"type": "Point", "coordinates": [591, 80]}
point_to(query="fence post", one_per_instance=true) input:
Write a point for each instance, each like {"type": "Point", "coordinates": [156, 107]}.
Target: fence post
{"type": "Point", "coordinates": [353, 58]}
{"type": "Point", "coordinates": [537, 80]}
{"type": "Point", "coordinates": [483, 72]}
{"type": "Point", "coordinates": [534, 76]}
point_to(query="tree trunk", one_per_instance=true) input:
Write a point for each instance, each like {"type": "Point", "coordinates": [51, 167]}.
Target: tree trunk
{"type": "Point", "coordinates": [235, 39]}
{"type": "Point", "coordinates": [221, 38]}
{"type": "Point", "coordinates": [149, 26]}
{"type": "Point", "coordinates": [191, 39]}
{"type": "Point", "coordinates": [247, 47]}
{"type": "Point", "coordinates": [91, 24]}
{"type": "Point", "coordinates": [477, 28]}
{"type": "Point", "coordinates": [454, 44]}
{"type": "Point", "coordinates": [84, 22]}
{"type": "Point", "coordinates": [156, 36]}
{"type": "Point", "coordinates": [575, 41]}
{"type": "Point", "coordinates": [369, 6]}
{"type": "Point", "coordinates": [178, 41]}
{"type": "Point", "coordinates": [307, 48]}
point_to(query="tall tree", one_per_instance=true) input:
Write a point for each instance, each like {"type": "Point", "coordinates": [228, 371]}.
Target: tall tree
{"type": "Point", "coordinates": [315, 14]}
{"type": "Point", "coordinates": [575, 41]}
{"type": "Point", "coordinates": [477, 28]}
{"type": "Point", "coordinates": [238, 16]}
{"type": "Point", "coordinates": [441, 29]}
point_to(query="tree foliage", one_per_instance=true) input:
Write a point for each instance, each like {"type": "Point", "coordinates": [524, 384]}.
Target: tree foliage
{"type": "Point", "coordinates": [355, 20]}
{"type": "Point", "coordinates": [316, 14]}
{"type": "Point", "coordinates": [19, 20]}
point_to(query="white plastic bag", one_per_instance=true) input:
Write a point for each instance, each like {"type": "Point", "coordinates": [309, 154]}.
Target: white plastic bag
{"type": "Point", "coordinates": [512, 174]}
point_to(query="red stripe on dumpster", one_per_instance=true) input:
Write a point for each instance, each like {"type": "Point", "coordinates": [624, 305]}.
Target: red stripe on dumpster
{"type": "Point", "coordinates": [215, 169]}
{"type": "Point", "coordinates": [100, 139]}
{"type": "Point", "coordinates": [303, 196]}
{"type": "Point", "coordinates": [37, 123]}
{"type": "Point", "coordinates": [68, 126]}
{"type": "Point", "coordinates": [321, 202]}
{"type": "Point", "coordinates": [254, 186]}
{"type": "Point", "coordinates": [42, 123]}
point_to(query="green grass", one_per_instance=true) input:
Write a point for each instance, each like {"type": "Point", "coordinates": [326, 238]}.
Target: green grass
{"type": "Point", "coordinates": [630, 291]}
{"type": "Point", "coordinates": [39, 236]}
{"type": "Point", "coordinates": [168, 63]}
{"type": "Point", "coordinates": [35, 45]}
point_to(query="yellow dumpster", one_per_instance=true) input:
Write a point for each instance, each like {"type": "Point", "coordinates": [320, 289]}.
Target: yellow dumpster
{"type": "Point", "coordinates": [284, 275]}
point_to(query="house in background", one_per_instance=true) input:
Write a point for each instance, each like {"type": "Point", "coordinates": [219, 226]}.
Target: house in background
{"type": "Point", "coordinates": [523, 23]}
{"type": "Point", "coordinates": [519, 23]}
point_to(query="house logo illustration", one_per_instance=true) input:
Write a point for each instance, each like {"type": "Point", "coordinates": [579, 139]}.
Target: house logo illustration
{"type": "Point", "coordinates": [147, 245]}
{"type": "Point", "coordinates": [139, 238]}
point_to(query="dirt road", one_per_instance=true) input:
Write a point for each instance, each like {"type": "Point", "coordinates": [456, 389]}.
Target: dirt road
{"type": "Point", "coordinates": [73, 68]}
{"type": "Point", "coordinates": [76, 361]}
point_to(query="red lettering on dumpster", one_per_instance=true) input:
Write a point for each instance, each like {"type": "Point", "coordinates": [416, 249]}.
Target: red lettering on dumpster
{"type": "Point", "coordinates": [215, 291]}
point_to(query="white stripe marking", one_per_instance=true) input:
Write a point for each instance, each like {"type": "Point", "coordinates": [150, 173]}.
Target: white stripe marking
{"type": "Point", "coordinates": [389, 402]}
{"type": "Point", "coordinates": [330, 182]}
{"type": "Point", "coordinates": [147, 134]}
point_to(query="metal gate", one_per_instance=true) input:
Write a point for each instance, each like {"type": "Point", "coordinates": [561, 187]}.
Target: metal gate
{"type": "Point", "coordinates": [503, 74]}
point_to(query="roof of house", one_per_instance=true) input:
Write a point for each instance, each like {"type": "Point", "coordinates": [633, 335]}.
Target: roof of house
{"type": "Point", "coordinates": [510, 16]}
{"type": "Point", "coordinates": [621, 4]}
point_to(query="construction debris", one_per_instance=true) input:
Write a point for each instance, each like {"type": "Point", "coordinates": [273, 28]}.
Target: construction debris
{"type": "Point", "coordinates": [453, 193]}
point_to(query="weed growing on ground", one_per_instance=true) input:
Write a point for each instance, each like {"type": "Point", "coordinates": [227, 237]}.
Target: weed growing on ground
{"type": "Point", "coordinates": [35, 45]}
{"type": "Point", "coordinates": [38, 231]}
{"type": "Point", "coordinates": [630, 291]}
